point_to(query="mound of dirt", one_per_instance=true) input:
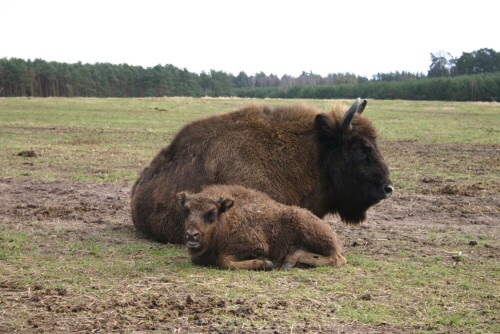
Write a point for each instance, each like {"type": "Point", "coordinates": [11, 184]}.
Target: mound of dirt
{"type": "Point", "coordinates": [27, 154]}
{"type": "Point", "coordinates": [462, 190]}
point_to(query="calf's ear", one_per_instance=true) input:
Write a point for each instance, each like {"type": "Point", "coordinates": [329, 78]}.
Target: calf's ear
{"type": "Point", "coordinates": [225, 204]}
{"type": "Point", "coordinates": [182, 197]}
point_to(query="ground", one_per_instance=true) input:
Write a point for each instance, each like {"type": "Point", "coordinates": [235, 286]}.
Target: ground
{"type": "Point", "coordinates": [424, 225]}
{"type": "Point", "coordinates": [425, 261]}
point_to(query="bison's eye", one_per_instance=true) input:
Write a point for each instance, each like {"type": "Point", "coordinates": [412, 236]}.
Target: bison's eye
{"type": "Point", "coordinates": [360, 153]}
{"type": "Point", "coordinates": [186, 211]}
{"type": "Point", "coordinates": [211, 216]}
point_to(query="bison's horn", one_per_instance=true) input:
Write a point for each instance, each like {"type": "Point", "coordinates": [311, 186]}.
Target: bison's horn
{"type": "Point", "coordinates": [357, 107]}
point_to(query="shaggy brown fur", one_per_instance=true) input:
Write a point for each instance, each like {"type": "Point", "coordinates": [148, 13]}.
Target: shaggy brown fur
{"type": "Point", "coordinates": [294, 154]}
{"type": "Point", "coordinates": [240, 228]}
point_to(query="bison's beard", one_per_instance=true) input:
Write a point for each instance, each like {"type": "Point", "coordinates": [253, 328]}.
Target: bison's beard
{"type": "Point", "coordinates": [352, 209]}
{"type": "Point", "coordinates": [352, 218]}
{"type": "Point", "coordinates": [354, 213]}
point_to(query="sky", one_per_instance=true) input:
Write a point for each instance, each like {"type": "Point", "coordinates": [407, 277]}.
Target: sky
{"type": "Point", "coordinates": [272, 36]}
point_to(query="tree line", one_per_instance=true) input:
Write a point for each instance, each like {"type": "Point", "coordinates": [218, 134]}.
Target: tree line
{"type": "Point", "coordinates": [473, 76]}
{"type": "Point", "coordinates": [480, 87]}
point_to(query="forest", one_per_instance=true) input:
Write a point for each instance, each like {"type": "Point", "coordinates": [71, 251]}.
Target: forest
{"type": "Point", "coordinates": [474, 76]}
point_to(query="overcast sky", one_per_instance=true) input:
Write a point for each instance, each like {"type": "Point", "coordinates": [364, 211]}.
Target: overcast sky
{"type": "Point", "coordinates": [273, 36]}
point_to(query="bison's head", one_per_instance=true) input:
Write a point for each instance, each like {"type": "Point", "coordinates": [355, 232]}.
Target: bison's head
{"type": "Point", "coordinates": [357, 176]}
{"type": "Point", "coordinates": [201, 215]}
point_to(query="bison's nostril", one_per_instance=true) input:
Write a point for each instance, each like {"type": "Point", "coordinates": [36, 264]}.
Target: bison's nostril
{"type": "Point", "coordinates": [388, 189]}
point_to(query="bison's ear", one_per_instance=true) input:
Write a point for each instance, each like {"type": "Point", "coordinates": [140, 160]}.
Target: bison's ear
{"type": "Point", "coordinates": [182, 197]}
{"type": "Point", "coordinates": [225, 204]}
{"type": "Point", "coordinates": [327, 131]}
{"type": "Point", "coordinates": [362, 106]}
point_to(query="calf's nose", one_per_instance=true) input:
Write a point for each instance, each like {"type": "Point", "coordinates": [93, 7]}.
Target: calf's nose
{"type": "Point", "coordinates": [192, 235]}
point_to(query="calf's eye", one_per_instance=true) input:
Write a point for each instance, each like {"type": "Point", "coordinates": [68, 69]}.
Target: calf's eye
{"type": "Point", "coordinates": [185, 212]}
{"type": "Point", "coordinates": [211, 216]}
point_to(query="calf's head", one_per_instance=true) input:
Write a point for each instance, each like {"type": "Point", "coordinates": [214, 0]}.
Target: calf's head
{"type": "Point", "coordinates": [354, 170]}
{"type": "Point", "coordinates": [202, 214]}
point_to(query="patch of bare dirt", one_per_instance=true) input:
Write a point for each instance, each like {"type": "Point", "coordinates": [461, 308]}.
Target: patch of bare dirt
{"type": "Point", "coordinates": [408, 222]}
{"type": "Point", "coordinates": [80, 201]}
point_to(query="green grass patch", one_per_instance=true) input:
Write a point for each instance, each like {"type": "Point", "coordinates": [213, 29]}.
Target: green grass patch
{"type": "Point", "coordinates": [112, 139]}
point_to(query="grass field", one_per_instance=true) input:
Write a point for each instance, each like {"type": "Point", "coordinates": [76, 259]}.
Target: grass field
{"type": "Point", "coordinates": [427, 261]}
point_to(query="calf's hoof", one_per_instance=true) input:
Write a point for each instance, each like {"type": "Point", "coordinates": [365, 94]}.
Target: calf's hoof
{"type": "Point", "coordinates": [340, 261]}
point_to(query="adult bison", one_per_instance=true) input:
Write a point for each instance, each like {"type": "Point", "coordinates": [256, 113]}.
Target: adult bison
{"type": "Point", "coordinates": [325, 162]}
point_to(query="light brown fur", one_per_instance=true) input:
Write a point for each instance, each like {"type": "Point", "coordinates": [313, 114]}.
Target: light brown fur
{"type": "Point", "coordinates": [239, 228]}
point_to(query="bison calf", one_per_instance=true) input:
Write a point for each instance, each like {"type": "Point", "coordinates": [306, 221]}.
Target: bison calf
{"type": "Point", "coordinates": [240, 228]}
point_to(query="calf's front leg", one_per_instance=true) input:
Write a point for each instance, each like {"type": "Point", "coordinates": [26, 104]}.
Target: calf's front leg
{"type": "Point", "coordinates": [230, 262]}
